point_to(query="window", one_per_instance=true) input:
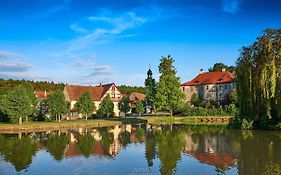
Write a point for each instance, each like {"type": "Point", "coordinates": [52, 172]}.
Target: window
{"type": "Point", "coordinates": [225, 87]}
{"type": "Point", "coordinates": [183, 89]}
{"type": "Point", "coordinates": [220, 87]}
{"type": "Point", "coordinates": [207, 87]}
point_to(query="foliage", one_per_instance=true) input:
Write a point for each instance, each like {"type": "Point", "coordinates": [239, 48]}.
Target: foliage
{"type": "Point", "coordinates": [124, 105]}
{"type": "Point", "coordinates": [85, 104]}
{"type": "Point", "coordinates": [18, 103]}
{"type": "Point", "coordinates": [150, 92]}
{"type": "Point", "coordinates": [217, 67]}
{"type": "Point", "coordinates": [140, 107]}
{"type": "Point", "coordinates": [188, 110]}
{"type": "Point", "coordinates": [168, 96]}
{"type": "Point", "coordinates": [107, 138]}
{"type": "Point", "coordinates": [129, 89]}
{"type": "Point", "coordinates": [42, 111]}
{"type": "Point", "coordinates": [195, 99]}
{"type": "Point", "coordinates": [150, 148]}
{"type": "Point", "coordinates": [57, 105]}
{"type": "Point", "coordinates": [7, 85]}
{"type": "Point", "coordinates": [56, 144]}
{"type": "Point", "coordinates": [17, 151]}
{"type": "Point", "coordinates": [170, 145]}
{"type": "Point", "coordinates": [259, 79]}
{"type": "Point", "coordinates": [106, 108]}
{"type": "Point", "coordinates": [85, 144]}
{"type": "Point", "coordinates": [246, 124]}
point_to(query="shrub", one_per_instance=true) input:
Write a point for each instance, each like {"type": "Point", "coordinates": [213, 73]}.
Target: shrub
{"type": "Point", "coordinates": [247, 124]}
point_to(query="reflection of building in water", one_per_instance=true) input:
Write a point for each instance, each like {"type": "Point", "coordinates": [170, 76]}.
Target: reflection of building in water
{"type": "Point", "coordinates": [98, 149]}
{"type": "Point", "coordinates": [212, 150]}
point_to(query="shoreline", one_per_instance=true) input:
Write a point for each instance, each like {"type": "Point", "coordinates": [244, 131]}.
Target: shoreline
{"type": "Point", "coordinates": [46, 126]}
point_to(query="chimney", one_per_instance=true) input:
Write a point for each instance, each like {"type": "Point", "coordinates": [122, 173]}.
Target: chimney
{"type": "Point", "coordinates": [223, 69]}
{"type": "Point", "coordinates": [100, 85]}
{"type": "Point", "coordinates": [201, 71]}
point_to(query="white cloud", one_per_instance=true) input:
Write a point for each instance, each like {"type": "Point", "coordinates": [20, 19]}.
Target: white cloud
{"type": "Point", "coordinates": [15, 67]}
{"type": "Point", "coordinates": [8, 54]}
{"type": "Point", "coordinates": [231, 6]}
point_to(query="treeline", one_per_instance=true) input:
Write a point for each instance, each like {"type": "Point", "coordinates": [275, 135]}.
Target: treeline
{"type": "Point", "coordinates": [124, 89]}
{"type": "Point", "coordinates": [6, 85]}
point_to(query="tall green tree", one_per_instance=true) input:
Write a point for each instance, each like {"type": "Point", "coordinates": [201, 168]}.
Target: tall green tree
{"type": "Point", "coordinates": [169, 96]}
{"type": "Point", "coordinates": [106, 108]}
{"type": "Point", "coordinates": [17, 104]}
{"type": "Point", "coordinates": [124, 105]}
{"type": "Point", "coordinates": [85, 104]}
{"type": "Point", "coordinates": [258, 76]}
{"type": "Point", "coordinates": [57, 105]}
{"type": "Point", "coordinates": [140, 107]}
{"type": "Point", "coordinates": [150, 91]}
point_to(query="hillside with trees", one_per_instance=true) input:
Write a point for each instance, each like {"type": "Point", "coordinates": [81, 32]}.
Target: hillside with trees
{"type": "Point", "coordinates": [6, 85]}
{"type": "Point", "coordinates": [124, 89]}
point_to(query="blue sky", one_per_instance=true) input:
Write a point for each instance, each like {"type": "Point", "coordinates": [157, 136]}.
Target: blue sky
{"type": "Point", "coordinates": [99, 41]}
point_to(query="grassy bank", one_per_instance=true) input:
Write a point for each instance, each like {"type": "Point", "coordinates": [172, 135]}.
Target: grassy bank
{"type": "Point", "coordinates": [43, 126]}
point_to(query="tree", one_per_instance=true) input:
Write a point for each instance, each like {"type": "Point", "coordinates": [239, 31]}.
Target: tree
{"type": "Point", "coordinates": [85, 104]}
{"type": "Point", "coordinates": [217, 67]}
{"type": "Point", "coordinates": [140, 107]}
{"type": "Point", "coordinates": [124, 105]}
{"type": "Point", "coordinates": [258, 76]}
{"type": "Point", "coordinates": [195, 99]}
{"type": "Point", "coordinates": [150, 92]}
{"type": "Point", "coordinates": [17, 104]}
{"type": "Point", "coordinates": [57, 105]}
{"type": "Point", "coordinates": [169, 96]}
{"type": "Point", "coordinates": [106, 108]}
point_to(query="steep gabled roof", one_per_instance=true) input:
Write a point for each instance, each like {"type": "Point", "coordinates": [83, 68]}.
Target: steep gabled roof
{"type": "Point", "coordinates": [211, 78]}
{"type": "Point", "coordinates": [97, 92]}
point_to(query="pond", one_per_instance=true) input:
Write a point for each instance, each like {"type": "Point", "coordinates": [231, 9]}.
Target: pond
{"type": "Point", "coordinates": [142, 149]}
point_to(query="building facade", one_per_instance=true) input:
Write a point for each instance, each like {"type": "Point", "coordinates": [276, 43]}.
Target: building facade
{"type": "Point", "coordinates": [98, 93]}
{"type": "Point", "coordinates": [210, 86]}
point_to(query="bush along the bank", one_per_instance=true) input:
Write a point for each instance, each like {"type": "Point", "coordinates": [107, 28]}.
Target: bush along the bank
{"type": "Point", "coordinates": [228, 110]}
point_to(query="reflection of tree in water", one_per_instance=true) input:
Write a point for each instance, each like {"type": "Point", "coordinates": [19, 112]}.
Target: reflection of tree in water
{"type": "Point", "coordinates": [125, 138]}
{"type": "Point", "coordinates": [18, 151]}
{"type": "Point", "coordinates": [260, 154]}
{"type": "Point", "coordinates": [170, 145]}
{"type": "Point", "coordinates": [150, 148]}
{"type": "Point", "coordinates": [140, 133]}
{"type": "Point", "coordinates": [86, 144]}
{"type": "Point", "coordinates": [56, 144]}
{"type": "Point", "coordinates": [107, 138]}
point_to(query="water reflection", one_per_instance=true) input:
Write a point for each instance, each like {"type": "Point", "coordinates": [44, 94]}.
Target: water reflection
{"type": "Point", "coordinates": [166, 149]}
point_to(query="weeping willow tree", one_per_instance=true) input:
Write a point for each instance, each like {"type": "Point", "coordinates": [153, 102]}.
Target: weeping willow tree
{"type": "Point", "coordinates": [258, 76]}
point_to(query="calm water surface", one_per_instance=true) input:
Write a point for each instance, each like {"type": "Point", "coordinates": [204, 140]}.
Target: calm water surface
{"type": "Point", "coordinates": [140, 150]}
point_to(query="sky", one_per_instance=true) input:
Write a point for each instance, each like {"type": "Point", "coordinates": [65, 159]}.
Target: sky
{"type": "Point", "coordinates": [88, 42]}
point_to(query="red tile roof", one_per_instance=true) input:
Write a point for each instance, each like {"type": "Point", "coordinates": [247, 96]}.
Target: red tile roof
{"type": "Point", "coordinates": [218, 160]}
{"type": "Point", "coordinates": [138, 96]}
{"type": "Point", "coordinates": [42, 95]}
{"type": "Point", "coordinates": [97, 92]}
{"type": "Point", "coordinates": [211, 78]}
